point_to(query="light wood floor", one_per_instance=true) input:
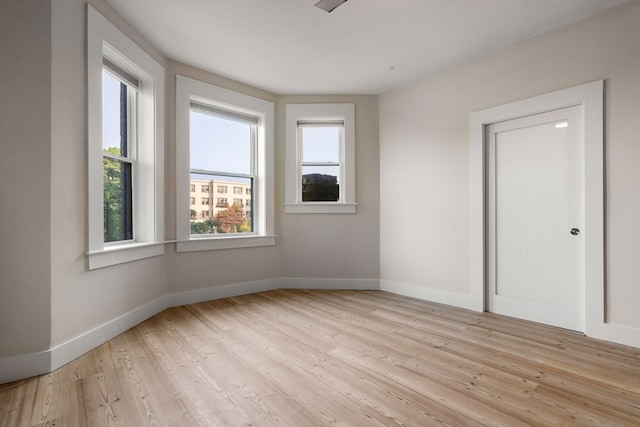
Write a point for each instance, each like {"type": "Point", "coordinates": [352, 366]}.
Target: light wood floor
{"type": "Point", "coordinates": [348, 358]}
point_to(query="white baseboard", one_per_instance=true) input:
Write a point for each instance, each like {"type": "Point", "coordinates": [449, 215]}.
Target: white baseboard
{"type": "Point", "coordinates": [429, 294]}
{"type": "Point", "coordinates": [42, 362]}
{"type": "Point", "coordinates": [75, 347]}
{"type": "Point", "coordinates": [208, 294]}
{"type": "Point", "coordinates": [177, 299]}
{"type": "Point", "coordinates": [333, 284]}
{"type": "Point", "coordinates": [24, 366]}
{"type": "Point", "coordinates": [620, 334]}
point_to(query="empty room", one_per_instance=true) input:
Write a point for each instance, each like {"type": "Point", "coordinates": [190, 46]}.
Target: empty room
{"type": "Point", "coordinates": [311, 213]}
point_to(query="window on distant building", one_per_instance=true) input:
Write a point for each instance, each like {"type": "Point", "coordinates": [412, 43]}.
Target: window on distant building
{"type": "Point", "coordinates": [204, 189]}
{"type": "Point", "coordinates": [125, 125]}
{"type": "Point", "coordinates": [222, 189]}
{"type": "Point", "coordinates": [320, 161]}
{"type": "Point", "coordinates": [193, 188]}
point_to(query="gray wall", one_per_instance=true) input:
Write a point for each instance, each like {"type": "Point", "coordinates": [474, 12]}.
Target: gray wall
{"type": "Point", "coordinates": [25, 176]}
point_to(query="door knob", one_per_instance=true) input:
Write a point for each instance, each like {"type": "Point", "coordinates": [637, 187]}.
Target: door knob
{"type": "Point", "coordinates": [575, 231]}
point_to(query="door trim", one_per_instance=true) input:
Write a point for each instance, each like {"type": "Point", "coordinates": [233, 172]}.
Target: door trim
{"type": "Point", "coordinates": [590, 96]}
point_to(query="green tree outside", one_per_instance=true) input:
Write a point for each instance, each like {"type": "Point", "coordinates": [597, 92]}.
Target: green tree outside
{"type": "Point", "coordinates": [115, 194]}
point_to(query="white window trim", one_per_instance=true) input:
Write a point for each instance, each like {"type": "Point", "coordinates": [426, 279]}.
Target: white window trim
{"type": "Point", "coordinates": [591, 97]}
{"type": "Point", "coordinates": [320, 113]}
{"type": "Point", "coordinates": [188, 90]}
{"type": "Point", "coordinates": [105, 40]}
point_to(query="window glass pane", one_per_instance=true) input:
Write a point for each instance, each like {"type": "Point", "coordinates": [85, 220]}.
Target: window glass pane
{"type": "Point", "coordinates": [321, 144]}
{"type": "Point", "coordinates": [219, 144]}
{"type": "Point", "coordinates": [225, 213]}
{"type": "Point", "coordinates": [118, 203]}
{"type": "Point", "coordinates": [114, 116]}
{"type": "Point", "coordinates": [320, 184]}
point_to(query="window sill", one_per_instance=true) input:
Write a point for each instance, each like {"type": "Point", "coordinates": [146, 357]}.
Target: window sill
{"type": "Point", "coordinates": [120, 254]}
{"type": "Point", "coordinates": [232, 242]}
{"type": "Point", "coordinates": [322, 208]}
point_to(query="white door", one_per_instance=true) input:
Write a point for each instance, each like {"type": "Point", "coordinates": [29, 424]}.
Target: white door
{"type": "Point", "coordinates": [535, 213]}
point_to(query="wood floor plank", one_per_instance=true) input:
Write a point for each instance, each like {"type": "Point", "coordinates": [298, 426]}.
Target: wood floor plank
{"type": "Point", "coordinates": [341, 358]}
{"type": "Point", "coordinates": [17, 401]}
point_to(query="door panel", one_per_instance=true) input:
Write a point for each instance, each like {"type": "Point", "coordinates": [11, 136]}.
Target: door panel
{"type": "Point", "coordinates": [534, 200]}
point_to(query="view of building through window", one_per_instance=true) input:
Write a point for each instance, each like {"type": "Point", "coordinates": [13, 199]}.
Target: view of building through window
{"type": "Point", "coordinates": [218, 210]}
{"type": "Point", "coordinates": [320, 154]}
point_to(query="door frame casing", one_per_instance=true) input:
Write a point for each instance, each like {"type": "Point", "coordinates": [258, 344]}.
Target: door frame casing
{"type": "Point", "coordinates": [590, 97]}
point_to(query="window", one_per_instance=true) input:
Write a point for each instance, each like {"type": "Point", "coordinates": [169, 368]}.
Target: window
{"type": "Point", "coordinates": [238, 202]}
{"type": "Point", "coordinates": [193, 200]}
{"type": "Point", "coordinates": [222, 146]}
{"type": "Point", "coordinates": [320, 158]}
{"type": "Point", "coordinates": [224, 136]}
{"type": "Point", "coordinates": [193, 188]}
{"type": "Point", "coordinates": [205, 201]}
{"type": "Point", "coordinates": [238, 190]}
{"type": "Point", "coordinates": [204, 189]}
{"type": "Point", "coordinates": [320, 145]}
{"type": "Point", "coordinates": [125, 147]}
{"type": "Point", "coordinates": [119, 92]}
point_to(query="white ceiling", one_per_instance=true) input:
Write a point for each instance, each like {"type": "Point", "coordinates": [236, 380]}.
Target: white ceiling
{"type": "Point", "coordinates": [362, 47]}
